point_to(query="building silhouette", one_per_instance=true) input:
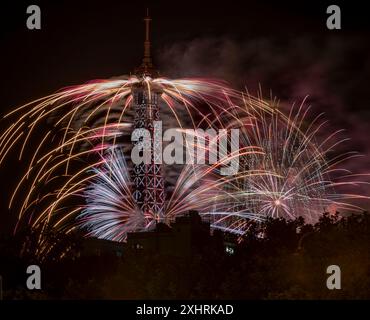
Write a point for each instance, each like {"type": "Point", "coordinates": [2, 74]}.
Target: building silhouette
{"type": "Point", "coordinates": [187, 236]}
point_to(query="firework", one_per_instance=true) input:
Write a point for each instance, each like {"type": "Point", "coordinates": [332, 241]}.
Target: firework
{"type": "Point", "coordinates": [284, 172]}
{"type": "Point", "coordinates": [299, 175]}
{"type": "Point", "coordinates": [78, 176]}
{"type": "Point", "coordinates": [71, 133]}
{"type": "Point", "coordinates": [111, 211]}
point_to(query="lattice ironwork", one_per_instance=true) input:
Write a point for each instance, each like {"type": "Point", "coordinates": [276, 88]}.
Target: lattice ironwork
{"type": "Point", "coordinates": [148, 179]}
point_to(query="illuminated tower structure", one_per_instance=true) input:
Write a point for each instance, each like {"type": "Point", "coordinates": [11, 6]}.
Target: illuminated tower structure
{"type": "Point", "coordinates": [148, 180]}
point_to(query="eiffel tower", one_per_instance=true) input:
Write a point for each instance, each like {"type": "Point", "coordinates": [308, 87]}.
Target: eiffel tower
{"type": "Point", "coordinates": [148, 180]}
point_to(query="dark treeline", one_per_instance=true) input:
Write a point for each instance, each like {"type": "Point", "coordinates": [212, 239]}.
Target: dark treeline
{"type": "Point", "coordinates": [277, 260]}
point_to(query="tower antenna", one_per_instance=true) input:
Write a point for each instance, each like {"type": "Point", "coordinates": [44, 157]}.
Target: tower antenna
{"type": "Point", "coordinates": [146, 67]}
{"type": "Point", "coordinates": [147, 58]}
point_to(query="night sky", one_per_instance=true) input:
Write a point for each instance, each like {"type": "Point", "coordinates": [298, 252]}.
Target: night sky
{"type": "Point", "coordinates": [285, 47]}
